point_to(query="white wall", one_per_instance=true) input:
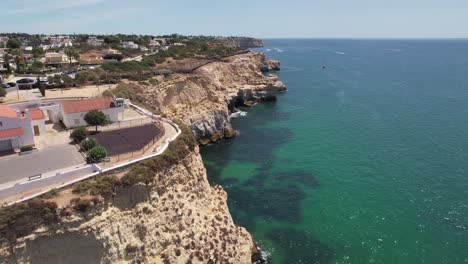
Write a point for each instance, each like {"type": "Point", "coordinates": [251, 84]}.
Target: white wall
{"type": "Point", "coordinates": [41, 124]}
{"type": "Point", "coordinates": [77, 119]}
{"type": "Point", "coordinates": [51, 112]}
{"type": "Point", "coordinates": [11, 123]}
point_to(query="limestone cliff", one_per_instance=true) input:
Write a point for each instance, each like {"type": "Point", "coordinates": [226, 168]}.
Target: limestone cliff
{"type": "Point", "coordinates": [205, 99]}
{"type": "Point", "coordinates": [178, 218]}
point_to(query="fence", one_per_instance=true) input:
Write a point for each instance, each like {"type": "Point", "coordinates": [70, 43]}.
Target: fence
{"type": "Point", "coordinates": [139, 121]}
{"type": "Point", "coordinates": [142, 151]}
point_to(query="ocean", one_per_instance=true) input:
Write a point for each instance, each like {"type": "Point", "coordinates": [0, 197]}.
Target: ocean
{"type": "Point", "coordinates": [363, 160]}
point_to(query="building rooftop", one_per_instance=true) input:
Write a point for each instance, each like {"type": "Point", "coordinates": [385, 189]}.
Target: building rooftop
{"type": "Point", "coordinates": [11, 132]}
{"type": "Point", "coordinates": [6, 111]}
{"type": "Point", "coordinates": [86, 105]}
{"type": "Point", "coordinates": [36, 114]}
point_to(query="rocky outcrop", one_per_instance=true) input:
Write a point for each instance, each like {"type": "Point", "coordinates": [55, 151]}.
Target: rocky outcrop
{"type": "Point", "coordinates": [178, 218]}
{"type": "Point", "coordinates": [238, 42]}
{"type": "Point", "coordinates": [205, 99]}
{"type": "Point", "coordinates": [270, 65]}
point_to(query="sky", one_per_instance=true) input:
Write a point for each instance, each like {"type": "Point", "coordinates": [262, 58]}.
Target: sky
{"type": "Point", "coordinates": [254, 18]}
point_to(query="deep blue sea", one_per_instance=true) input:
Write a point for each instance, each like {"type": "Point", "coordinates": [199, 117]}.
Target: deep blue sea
{"type": "Point", "coordinates": [363, 160]}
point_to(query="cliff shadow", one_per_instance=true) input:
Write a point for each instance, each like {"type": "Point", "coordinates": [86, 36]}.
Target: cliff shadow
{"type": "Point", "coordinates": [73, 248]}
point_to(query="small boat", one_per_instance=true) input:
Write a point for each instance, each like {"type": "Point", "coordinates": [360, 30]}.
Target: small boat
{"type": "Point", "coordinates": [323, 66]}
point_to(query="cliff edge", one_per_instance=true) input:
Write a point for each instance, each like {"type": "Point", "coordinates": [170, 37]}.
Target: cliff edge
{"type": "Point", "coordinates": [161, 215]}
{"type": "Point", "coordinates": [205, 98]}
{"type": "Point", "coordinates": [177, 218]}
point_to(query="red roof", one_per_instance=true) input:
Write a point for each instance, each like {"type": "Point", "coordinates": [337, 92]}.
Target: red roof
{"type": "Point", "coordinates": [86, 105]}
{"type": "Point", "coordinates": [36, 113]}
{"type": "Point", "coordinates": [11, 132]}
{"type": "Point", "coordinates": [6, 111]}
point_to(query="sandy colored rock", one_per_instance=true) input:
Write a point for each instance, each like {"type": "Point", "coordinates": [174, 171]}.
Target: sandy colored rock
{"type": "Point", "coordinates": [177, 218]}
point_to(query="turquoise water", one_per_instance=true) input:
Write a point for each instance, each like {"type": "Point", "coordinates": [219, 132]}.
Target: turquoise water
{"type": "Point", "coordinates": [365, 161]}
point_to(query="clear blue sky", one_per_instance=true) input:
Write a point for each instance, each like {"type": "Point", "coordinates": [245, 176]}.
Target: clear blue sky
{"type": "Point", "coordinates": [257, 18]}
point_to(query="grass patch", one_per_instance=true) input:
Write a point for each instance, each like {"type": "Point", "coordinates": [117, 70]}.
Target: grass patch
{"type": "Point", "coordinates": [50, 194]}
{"type": "Point", "coordinates": [127, 66]}
{"type": "Point", "coordinates": [103, 185]}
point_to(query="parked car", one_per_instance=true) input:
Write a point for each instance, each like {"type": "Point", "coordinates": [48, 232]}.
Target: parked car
{"type": "Point", "coordinates": [12, 84]}
{"type": "Point", "coordinates": [26, 84]}
{"type": "Point", "coordinates": [5, 85]}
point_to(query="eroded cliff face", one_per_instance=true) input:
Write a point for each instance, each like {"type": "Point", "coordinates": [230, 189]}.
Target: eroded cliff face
{"type": "Point", "coordinates": [205, 99]}
{"type": "Point", "coordinates": [178, 218]}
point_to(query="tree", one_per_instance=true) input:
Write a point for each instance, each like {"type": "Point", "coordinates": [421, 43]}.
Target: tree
{"type": "Point", "coordinates": [88, 143]}
{"type": "Point", "coordinates": [96, 118]}
{"type": "Point", "coordinates": [96, 154]}
{"type": "Point", "coordinates": [13, 43]}
{"type": "Point", "coordinates": [40, 86]}
{"type": "Point", "coordinates": [79, 134]}
{"type": "Point", "coordinates": [37, 66]}
{"type": "Point", "coordinates": [3, 92]}
{"type": "Point", "coordinates": [112, 40]}
{"type": "Point", "coordinates": [72, 54]}
{"type": "Point", "coordinates": [37, 52]}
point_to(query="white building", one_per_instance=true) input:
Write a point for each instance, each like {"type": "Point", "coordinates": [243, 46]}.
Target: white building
{"type": "Point", "coordinates": [72, 112]}
{"type": "Point", "coordinates": [18, 128]}
{"type": "Point", "coordinates": [129, 45]}
{"type": "Point", "coordinates": [94, 41]}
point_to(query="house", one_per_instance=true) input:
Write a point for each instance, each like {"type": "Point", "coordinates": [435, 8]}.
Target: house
{"type": "Point", "coordinates": [27, 57]}
{"type": "Point", "coordinates": [91, 58]}
{"type": "Point", "coordinates": [129, 45]}
{"type": "Point", "coordinates": [54, 58]}
{"type": "Point", "coordinates": [94, 41]}
{"type": "Point", "coordinates": [72, 112]}
{"type": "Point", "coordinates": [3, 41]}
{"type": "Point", "coordinates": [111, 51]}
{"type": "Point", "coordinates": [154, 43]}
{"type": "Point", "coordinates": [60, 41]}
{"type": "Point", "coordinates": [18, 127]}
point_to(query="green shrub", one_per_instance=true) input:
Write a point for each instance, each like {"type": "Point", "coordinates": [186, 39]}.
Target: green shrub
{"type": "Point", "coordinates": [26, 148]}
{"type": "Point", "coordinates": [96, 154]}
{"type": "Point", "coordinates": [127, 66]}
{"type": "Point", "coordinates": [78, 134]}
{"type": "Point", "coordinates": [80, 205]}
{"type": "Point", "coordinates": [88, 143]}
{"type": "Point", "coordinates": [103, 185]}
{"type": "Point", "coordinates": [50, 194]}
{"type": "Point", "coordinates": [21, 219]}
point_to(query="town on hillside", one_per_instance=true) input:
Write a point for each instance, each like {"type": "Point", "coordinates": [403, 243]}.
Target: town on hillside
{"type": "Point", "coordinates": [62, 61]}
{"type": "Point", "coordinates": [59, 114]}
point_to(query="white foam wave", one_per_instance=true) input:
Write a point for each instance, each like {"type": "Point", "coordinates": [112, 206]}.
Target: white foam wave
{"type": "Point", "coordinates": [279, 50]}
{"type": "Point", "coordinates": [238, 114]}
{"type": "Point", "coordinates": [340, 52]}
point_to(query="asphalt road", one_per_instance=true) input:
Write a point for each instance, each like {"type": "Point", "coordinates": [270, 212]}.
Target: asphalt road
{"type": "Point", "coordinates": [13, 168]}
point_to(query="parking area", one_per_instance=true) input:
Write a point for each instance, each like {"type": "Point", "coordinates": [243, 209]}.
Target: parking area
{"type": "Point", "coordinates": [51, 158]}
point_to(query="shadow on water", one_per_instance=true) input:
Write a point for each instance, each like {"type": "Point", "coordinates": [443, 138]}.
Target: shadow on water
{"type": "Point", "coordinates": [266, 194]}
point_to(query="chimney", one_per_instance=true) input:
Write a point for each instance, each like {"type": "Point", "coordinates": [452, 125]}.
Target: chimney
{"type": "Point", "coordinates": [26, 113]}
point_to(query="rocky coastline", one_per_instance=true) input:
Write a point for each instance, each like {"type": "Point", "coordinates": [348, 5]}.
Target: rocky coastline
{"type": "Point", "coordinates": [205, 99]}
{"type": "Point", "coordinates": [178, 217]}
